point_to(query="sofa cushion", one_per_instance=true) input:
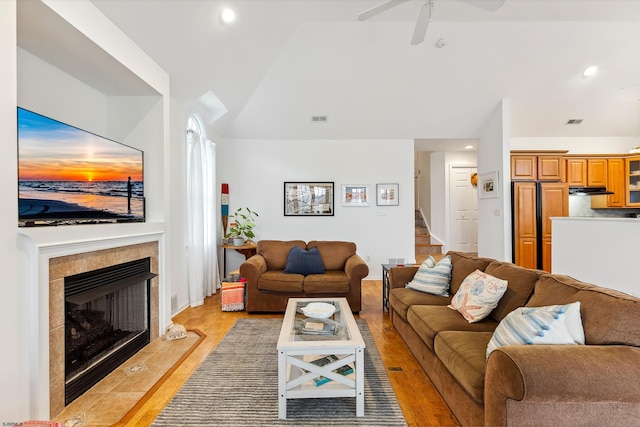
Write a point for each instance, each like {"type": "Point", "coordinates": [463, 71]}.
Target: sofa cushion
{"type": "Point", "coordinates": [463, 354]}
{"type": "Point", "coordinates": [605, 312]}
{"type": "Point", "coordinates": [432, 277]}
{"type": "Point", "coordinates": [464, 264]}
{"type": "Point", "coordinates": [329, 282]}
{"type": "Point", "coordinates": [334, 254]}
{"type": "Point", "coordinates": [277, 281]}
{"type": "Point", "coordinates": [478, 295]}
{"type": "Point", "coordinates": [429, 320]}
{"type": "Point", "coordinates": [552, 324]}
{"type": "Point", "coordinates": [400, 299]}
{"type": "Point", "coordinates": [275, 252]}
{"type": "Point", "coordinates": [521, 283]}
{"type": "Point", "coordinates": [303, 261]}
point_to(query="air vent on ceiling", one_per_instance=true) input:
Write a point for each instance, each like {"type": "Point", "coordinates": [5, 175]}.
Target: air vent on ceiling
{"type": "Point", "coordinates": [574, 121]}
{"type": "Point", "coordinates": [318, 118]}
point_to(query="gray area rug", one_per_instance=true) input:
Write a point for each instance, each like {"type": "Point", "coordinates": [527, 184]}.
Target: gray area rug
{"type": "Point", "coordinates": [237, 385]}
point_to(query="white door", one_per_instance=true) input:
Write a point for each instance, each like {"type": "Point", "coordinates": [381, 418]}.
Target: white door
{"type": "Point", "coordinates": [463, 211]}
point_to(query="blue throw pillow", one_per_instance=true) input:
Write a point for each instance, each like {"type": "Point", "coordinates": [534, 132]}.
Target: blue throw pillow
{"type": "Point", "coordinates": [302, 261]}
{"type": "Point", "coordinates": [553, 324]}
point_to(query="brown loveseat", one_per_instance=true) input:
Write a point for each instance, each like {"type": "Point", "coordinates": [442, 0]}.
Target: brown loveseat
{"type": "Point", "coordinates": [593, 384]}
{"type": "Point", "coordinates": [269, 288]}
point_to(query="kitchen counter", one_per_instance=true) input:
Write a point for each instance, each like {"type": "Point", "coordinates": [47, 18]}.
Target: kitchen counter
{"type": "Point", "coordinates": [598, 250]}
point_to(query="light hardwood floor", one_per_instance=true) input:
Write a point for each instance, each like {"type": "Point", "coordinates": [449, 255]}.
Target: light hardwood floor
{"type": "Point", "coordinates": [420, 402]}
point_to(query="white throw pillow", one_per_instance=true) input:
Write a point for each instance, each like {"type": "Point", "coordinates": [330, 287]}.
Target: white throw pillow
{"type": "Point", "coordinates": [479, 293]}
{"type": "Point", "coordinates": [431, 277]}
{"type": "Point", "coordinates": [554, 324]}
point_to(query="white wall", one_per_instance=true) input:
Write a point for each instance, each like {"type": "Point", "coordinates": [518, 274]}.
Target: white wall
{"type": "Point", "coordinates": [600, 251]}
{"type": "Point", "coordinates": [145, 133]}
{"type": "Point", "coordinates": [256, 171]}
{"type": "Point", "coordinates": [494, 214]}
{"type": "Point", "coordinates": [440, 165]}
{"type": "Point", "coordinates": [177, 252]}
{"type": "Point", "coordinates": [608, 145]}
{"type": "Point", "coordinates": [423, 172]}
{"type": "Point", "coordinates": [14, 405]}
{"type": "Point", "coordinates": [47, 90]}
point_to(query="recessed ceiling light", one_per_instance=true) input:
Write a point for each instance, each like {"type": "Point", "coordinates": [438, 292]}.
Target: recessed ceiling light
{"type": "Point", "coordinates": [590, 71]}
{"type": "Point", "coordinates": [228, 15]}
{"type": "Point", "coordinates": [468, 147]}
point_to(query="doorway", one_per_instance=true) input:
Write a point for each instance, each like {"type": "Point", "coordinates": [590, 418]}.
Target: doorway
{"type": "Point", "coordinates": [463, 210]}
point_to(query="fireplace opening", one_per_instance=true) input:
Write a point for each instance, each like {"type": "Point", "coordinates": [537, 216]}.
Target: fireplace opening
{"type": "Point", "coordinates": [107, 314]}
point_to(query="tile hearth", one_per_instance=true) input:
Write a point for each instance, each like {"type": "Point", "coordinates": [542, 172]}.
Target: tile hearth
{"type": "Point", "coordinates": [61, 267]}
{"type": "Point", "coordinates": [109, 401]}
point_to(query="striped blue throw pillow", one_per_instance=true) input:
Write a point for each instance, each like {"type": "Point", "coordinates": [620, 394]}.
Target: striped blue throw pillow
{"type": "Point", "coordinates": [431, 277]}
{"type": "Point", "coordinates": [553, 324]}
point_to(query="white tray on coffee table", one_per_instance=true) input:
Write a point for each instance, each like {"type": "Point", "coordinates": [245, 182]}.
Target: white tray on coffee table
{"type": "Point", "coordinates": [296, 349]}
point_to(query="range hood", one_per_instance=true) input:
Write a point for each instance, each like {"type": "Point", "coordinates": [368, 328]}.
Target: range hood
{"type": "Point", "coordinates": [588, 191]}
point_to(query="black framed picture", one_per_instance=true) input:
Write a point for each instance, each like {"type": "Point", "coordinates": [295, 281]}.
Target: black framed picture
{"type": "Point", "coordinates": [308, 198]}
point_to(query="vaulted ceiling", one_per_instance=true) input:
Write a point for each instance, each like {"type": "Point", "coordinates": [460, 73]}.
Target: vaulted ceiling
{"type": "Point", "coordinates": [284, 61]}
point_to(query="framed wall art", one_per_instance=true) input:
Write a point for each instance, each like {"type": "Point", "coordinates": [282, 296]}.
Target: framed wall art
{"type": "Point", "coordinates": [308, 199]}
{"type": "Point", "coordinates": [488, 185]}
{"type": "Point", "coordinates": [355, 195]}
{"type": "Point", "coordinates": [387, 194]}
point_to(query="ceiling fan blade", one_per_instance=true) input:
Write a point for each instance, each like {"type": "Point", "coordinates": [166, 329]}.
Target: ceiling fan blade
{"type": "Point", "coordinates": [420, 30]}
{"type": "Point", "coordinates": [376, 10]}
{"type": "Point", "coordinates": [488, 5]}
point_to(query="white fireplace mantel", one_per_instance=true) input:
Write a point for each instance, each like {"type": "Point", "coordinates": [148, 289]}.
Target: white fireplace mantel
{"type": "Point", "coordinates": [39, 245]}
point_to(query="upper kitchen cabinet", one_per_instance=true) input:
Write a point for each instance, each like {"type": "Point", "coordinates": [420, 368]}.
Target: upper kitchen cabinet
{"type": "Point", "coordinates": [615, 184]}
{"type": "Point", "coordinates": [537, 167]}
{"type": "Point", "coordinates": [577, 172]}
{"type": "Point", "coordinates": [597, 172]}
{"type": "Point", "coordinates": [524, 168]}
{"type": "Point", "coordinates": [586, 172]}
{"type": "Point", "coordinates": [551, 168]}
{"type": "Point", "coordinates": [632, 182]}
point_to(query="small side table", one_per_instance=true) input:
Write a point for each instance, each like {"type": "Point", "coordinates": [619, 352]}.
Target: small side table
{"type": "Point", "coordinates": [385, 285]}
{"type": "Point", "coordinates": [248, 250]}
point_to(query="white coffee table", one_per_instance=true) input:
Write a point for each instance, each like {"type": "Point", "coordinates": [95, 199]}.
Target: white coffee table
{"type": "Point", "coordinates": [296, 350]}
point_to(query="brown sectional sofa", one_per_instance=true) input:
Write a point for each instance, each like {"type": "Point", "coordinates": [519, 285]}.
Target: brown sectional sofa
{"type": "Point", "coordinates": [268, 288]}
{"type": "Point", "coordinates": [594, 384]}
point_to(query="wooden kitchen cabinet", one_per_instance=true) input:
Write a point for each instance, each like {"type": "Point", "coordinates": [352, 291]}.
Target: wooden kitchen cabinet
{"type": "Point", "coordinates": [551, 168]}
{"type": "Point", "coordinates": [587, 172]}
{"type": "Point", "coordinates": [524, 168]}
{"type": "Point", "coordinates": [532, 235]}
{"type": "Point", "coordinates": [524, 226]}
{"type": "Point", "coordinates": [531, 167]}
{"type": "Point", "coordinates": [597, 172]}
{"type": "Point", "coordinates": [632, 182]}
{"type": "Point", "coordinates": [615, 184]}
{"type": "Point", "coordinates": [577, 172]}
{"type": "Point", "coordinates": [554, 201]}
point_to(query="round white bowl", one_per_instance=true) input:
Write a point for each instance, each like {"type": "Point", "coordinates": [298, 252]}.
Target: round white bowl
{"type": "Point", "coordinates": [319, 310]}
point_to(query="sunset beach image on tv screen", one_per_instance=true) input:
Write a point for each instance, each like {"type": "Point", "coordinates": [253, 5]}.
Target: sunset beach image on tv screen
{"type": "Point", "coordinates": [67, 175]}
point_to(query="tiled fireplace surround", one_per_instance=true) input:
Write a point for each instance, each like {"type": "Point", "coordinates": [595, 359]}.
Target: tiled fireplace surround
{"type": "Point", "coordinates": [55, 262]}
{"type": "Point", "coordinates": [64, 266]}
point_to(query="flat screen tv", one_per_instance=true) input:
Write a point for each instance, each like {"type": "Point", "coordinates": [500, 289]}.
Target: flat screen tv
{"type": "Point", "coordinates": [70, 176]}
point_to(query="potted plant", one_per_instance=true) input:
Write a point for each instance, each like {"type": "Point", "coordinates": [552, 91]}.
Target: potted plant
{"type": "Point", "coordinates": [241, 226]}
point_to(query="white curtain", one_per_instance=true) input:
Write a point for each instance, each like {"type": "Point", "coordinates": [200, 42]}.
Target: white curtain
{"type": "Point", "coordinates": [202, 260]}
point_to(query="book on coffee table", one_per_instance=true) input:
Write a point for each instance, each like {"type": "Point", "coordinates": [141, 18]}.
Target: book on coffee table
{"type": "Point", "coordinates": [342, 370]}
